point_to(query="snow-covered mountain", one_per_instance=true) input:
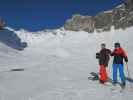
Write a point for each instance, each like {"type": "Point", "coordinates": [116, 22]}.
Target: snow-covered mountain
{"type": "Point", "coordinates": [57, 63]}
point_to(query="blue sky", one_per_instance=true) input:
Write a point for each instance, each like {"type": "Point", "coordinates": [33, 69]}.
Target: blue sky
{"type": "Point", "coordinates": [36, 15]}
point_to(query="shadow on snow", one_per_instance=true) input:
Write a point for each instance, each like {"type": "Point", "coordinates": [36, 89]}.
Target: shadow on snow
{"type": "Point", "coordinates": [12, 40]}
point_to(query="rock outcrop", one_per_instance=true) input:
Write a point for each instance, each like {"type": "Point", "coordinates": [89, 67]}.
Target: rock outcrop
{"type": "Point", "coordinates": [2, 23]}
{"type": "Point", "coordinates": [119, 17]}
{"type": "Point", "coordinates": [79, 22]}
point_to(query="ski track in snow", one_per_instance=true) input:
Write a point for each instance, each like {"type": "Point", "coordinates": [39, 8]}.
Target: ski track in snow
{"type": "Point", "coordinates": [57, 66]}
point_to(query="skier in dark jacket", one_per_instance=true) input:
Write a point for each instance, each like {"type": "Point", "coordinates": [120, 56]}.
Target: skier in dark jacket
{"type": "Point", "coordinates": [119, 55]}
{"type": "Point", "coordinates": [103, 56]}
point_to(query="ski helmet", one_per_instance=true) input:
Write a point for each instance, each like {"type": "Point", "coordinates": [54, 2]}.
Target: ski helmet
{"type": "Point", "coordinates": [103, 44]}
{"type": "Point", "coordinates": [117, 44]}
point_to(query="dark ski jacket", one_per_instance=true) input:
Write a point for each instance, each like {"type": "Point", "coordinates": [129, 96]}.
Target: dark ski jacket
{"type": "Point", "coordinates": [103, 56]}
{"type": "Point", "coordinates": [119, 54]}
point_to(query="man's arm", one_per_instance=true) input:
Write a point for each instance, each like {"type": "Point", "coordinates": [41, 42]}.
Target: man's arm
{"type": "Point", "coordinates": [125, 56]}
{"type": "Point", "coordinates": [113, 53]}
{"type": "Point", "coordinates": [126, 59]}
{"type": "Point", "coordinates": [109, 52]}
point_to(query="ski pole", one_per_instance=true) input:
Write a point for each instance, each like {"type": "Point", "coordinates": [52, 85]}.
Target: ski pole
{"type": "Point", "coordinates": [129, 77]}
{"type": "Point", "coordinates": [128, 70]}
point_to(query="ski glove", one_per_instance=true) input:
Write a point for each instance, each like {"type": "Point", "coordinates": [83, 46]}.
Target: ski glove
{"type": "Point", "coordinates": [126, 59]}
{"type": "Point", "coordinates": [97, 55]}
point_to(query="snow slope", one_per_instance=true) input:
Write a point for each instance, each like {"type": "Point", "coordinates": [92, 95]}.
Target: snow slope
{"type": "Point", "coordinates": [57, 64]}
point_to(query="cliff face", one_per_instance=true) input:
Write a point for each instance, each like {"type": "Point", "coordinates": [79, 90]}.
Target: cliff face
{"type": "Point", "coordinates": [79, 22]}
{"type": "Point", "coordinates": [119, 17]}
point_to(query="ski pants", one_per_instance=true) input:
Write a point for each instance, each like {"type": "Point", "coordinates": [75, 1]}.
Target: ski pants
{"type": "Point", "coordinates": [103, 73]}
{"type": "Point", "coordinates": [119, 67]}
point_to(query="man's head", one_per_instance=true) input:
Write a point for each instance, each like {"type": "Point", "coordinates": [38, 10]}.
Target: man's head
{"type": "Point", "coordinates": [117, 45]}
{"type": "Point", "coordinates": [103, 45]}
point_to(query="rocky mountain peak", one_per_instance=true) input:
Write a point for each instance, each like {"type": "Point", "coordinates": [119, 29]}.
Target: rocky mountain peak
{"type": "Point", "coordinates": [119, 17]}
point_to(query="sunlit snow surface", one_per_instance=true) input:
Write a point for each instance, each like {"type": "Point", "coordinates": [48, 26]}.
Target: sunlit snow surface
{"type": "Point", "coordinates": [57, 66]}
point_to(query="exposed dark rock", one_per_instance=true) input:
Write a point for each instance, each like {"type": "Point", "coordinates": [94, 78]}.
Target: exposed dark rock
{"type": "Point", "coordinates": [129, 4]}
{"type": "Point", "coordinates": [2, 23]}
{"type": "Point", "coordinates": [103, 21]}
{"type": "Point", "coordinates": [79, 22]}
{"type": "Point", "coordinates": [119, 17]}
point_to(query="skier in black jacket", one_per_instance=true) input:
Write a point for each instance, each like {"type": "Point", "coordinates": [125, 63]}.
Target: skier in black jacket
{"type": "Point", "coordinates": [103, 56]}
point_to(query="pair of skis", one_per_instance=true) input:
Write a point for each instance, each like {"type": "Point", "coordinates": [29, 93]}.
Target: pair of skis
{"type": "Point", "coordinates": [114, 87]}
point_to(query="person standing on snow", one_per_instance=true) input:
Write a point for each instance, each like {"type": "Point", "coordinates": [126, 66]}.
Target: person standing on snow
{"type": "Point", "coordinates": [119, 54]}
{"type": "Point", "coordinates": [103, 56]}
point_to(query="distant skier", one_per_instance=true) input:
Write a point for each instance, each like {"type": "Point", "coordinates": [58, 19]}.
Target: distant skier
{"type": "Point", "coordinates": [103, 56]}
{"type": "Point", "coordinates": [119, 54]}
